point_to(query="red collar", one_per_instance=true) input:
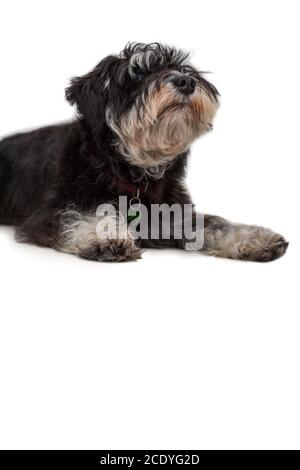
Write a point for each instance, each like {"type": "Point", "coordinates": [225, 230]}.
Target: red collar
{"type": "Point", "coordinates": [124, 185]}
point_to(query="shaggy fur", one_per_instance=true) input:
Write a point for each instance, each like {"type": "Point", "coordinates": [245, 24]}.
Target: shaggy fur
{"type": "Point", "coordinates": [137, 114]}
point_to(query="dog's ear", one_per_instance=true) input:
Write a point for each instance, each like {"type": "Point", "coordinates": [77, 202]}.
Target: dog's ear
{"type": "Point", "coordinates": [91, 92]}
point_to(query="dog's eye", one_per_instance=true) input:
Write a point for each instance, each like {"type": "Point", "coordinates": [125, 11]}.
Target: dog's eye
{"type": "Point", "coordinates": [184, 70]}
{"type": "Point", "coordinates": [139, 76]}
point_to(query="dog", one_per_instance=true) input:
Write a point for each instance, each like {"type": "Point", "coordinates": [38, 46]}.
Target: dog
{"type": "Point", "coordinates": [137, 114]}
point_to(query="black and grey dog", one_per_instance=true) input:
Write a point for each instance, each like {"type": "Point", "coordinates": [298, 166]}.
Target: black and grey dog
{"type": "Point", "coordinates": [138, 113]}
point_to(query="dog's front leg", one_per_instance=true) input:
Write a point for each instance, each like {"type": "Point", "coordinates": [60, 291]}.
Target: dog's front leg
{"type": "Point", "coordinates": [82, 234]}
{"type": "Point", "coordinates": [238, 241]}
{"type": "Point", "coordinates": [97, 238]}
{"type": "Point", "coordinates": [225, 239]}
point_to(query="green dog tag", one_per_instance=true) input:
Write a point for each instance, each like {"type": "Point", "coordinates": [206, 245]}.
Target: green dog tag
{"type": "Point", "coordinates": [133, 213]}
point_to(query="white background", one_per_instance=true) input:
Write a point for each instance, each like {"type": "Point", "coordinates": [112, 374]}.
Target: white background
{"type": "Point", "coordinates": [175, 351]}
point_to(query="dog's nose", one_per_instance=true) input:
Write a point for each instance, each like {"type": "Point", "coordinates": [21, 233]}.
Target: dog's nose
{"type": "Point", "coordinates": [185, 84]}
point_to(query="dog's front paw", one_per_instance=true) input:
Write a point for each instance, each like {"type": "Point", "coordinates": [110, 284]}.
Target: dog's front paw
{"type": "Point", "coordinates": [262, 245]}
{"type": "Point", "coordinates": [113, 250]}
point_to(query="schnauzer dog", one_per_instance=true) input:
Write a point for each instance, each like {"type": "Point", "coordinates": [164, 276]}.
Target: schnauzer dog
{"type": "Point", "coordinates": [138, 113]}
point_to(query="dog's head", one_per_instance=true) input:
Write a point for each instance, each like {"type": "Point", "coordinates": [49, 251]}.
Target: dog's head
{"type": "Point", "coordinates": [151, 97]}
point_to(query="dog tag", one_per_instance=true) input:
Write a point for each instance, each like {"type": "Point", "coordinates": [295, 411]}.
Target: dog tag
{"type": "Point", "coordinates": [134, 204]}
{"type": "Point", "coordinates": [133, 214]}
